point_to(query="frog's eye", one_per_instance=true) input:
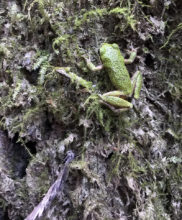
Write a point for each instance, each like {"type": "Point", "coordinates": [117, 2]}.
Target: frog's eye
{"type": "Point", "coordinates": [115, 46]}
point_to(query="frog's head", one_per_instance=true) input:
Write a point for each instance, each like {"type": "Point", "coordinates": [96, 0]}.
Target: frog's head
{"type": "Point", "coordinates": [107, 49]}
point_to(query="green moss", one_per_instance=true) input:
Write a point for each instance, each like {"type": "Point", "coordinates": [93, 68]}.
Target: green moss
{"type": "Point", "coordinates": [83, 167]}
{"type": "Point", "coordinates": [114, 166]}
{"type": "Point", "coordinates": [179, 27]}
{"type": "Point", "coordinates": [3, 204]}
{"type": "Point", "coordinates": [4, 51]}
{"type": "Point", "coordinates": [17, 90]}
{"type": "Point", "coordinates": [42, 64]}
{"type": "Point", "coordinates": [89, 16]}
{"type": "Point", "coordinates": [137, 168]}
{"type": "Point", "coordinates": [127, 15]}
{"type": "Point", "coordinates": [94, 108]}
{"type": "Point", "coordinates": [75, 78]}
{"type": "Point", "coordinates": [31, 113]}
{"type": "Point", "coordinates": [44, 183]}
{"type": "Point", "coordinates": [42, 5]}
{"type": "Point", "coordinates": [63, 39]}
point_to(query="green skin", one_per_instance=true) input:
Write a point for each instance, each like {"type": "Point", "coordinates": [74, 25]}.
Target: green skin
{"type": "Point", "coordinates": [114, 63]}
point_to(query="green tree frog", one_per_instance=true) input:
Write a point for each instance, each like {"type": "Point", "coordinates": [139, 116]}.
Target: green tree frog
{"type": "Point", "coordinates": [114, 63]}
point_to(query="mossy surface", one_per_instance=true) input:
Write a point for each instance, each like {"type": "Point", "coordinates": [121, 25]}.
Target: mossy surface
{"type": "Point", "coordinates": [127, 165]}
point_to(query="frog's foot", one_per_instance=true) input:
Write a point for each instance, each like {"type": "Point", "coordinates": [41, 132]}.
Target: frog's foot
{"type": "Point", "coordinates": [115, 100]}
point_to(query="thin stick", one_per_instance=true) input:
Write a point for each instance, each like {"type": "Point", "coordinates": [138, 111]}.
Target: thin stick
{"type": "Point", "coordinates": [56, 187]}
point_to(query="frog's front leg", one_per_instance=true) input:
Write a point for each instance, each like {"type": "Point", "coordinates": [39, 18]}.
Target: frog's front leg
{"type": "Point", "coordinates": [131, 58]}
{"type": "Point", "coordinates": [91, 66]}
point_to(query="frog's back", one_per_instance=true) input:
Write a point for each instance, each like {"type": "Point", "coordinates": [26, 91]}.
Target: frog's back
{"type": "Point", "coordinates": [113, 62]}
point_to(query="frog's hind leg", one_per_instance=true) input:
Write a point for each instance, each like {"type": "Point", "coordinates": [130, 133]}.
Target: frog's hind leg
{"type": "Point", "coordinates": [136, 82]}
{"type": "Point", "coordinates": [115, 100]}
{"type": "Point", "coordinates": [116, 93]}
{"type": "Point", "coordinates": [115, 110]}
